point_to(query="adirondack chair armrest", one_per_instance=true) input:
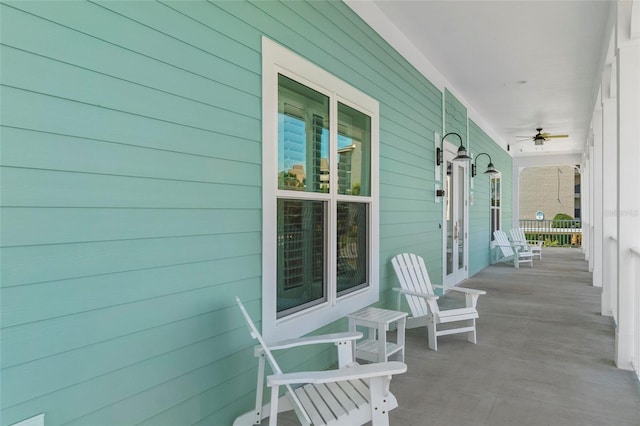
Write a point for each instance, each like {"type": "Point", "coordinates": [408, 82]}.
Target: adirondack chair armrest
{"type": "Point", "coordinates": [461, 289]}
{"type": "Point", "coordinates": [518, 248]}
{"type": "Point", "coordinates": [353, 372]}
{"type": "Point", "coordinates": [471, 294]}
{"type": "Point", "coordinates": [311, 340]}
{"type": "Point", "coordinates": [415, 293]}
{"type": "Point", "coordinates": [506, 245]}
{"type": "Point", "coordinates": [523, 249]}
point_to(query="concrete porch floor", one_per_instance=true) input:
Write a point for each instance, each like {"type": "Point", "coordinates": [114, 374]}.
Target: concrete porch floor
{"type": "Point", "coordinates": [545, 356]}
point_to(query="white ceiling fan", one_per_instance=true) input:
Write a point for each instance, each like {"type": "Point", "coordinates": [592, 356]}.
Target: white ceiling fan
{"type": "Point", "coordinates": [540, 138]}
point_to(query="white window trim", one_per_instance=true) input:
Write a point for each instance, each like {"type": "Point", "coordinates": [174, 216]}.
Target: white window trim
{"type": "Point", "coordinates": [495, 176]}
{"type": "Point", "coordinates": [277, 59]}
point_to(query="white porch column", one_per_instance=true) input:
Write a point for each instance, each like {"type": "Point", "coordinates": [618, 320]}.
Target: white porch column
{"type": "Point", "coordinates": [585, 202]}
{"type": "Point", "coordinates": [515, 199]}
{"type": "Point", "coordinates": [592, 241]}
{"type": "Point", "coordinates": [628, 68]}
{"type": "Point", "coordinates": [596, 167]}
{"type": "Point", "coordinates": [609, 192]}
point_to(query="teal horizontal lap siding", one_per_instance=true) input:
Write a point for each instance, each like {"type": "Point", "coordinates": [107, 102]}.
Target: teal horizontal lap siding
{"type": "Point", "coordinates": [209, 54]}
{"type": "Point", "coordinates": [53, 188]}
{"type": "Point", "coordinates": [51, 225]}
{"type": "Point", "coordinates": [132, 185]}
{"type": "Point", "coordinates": [132, 215]}
{"type": "Point", "coordinates": [455, 117]}
{"type": "Point", "coordinates": [68, 83]}
{"type": "Point", "coordinates": [25, 305]}
{"type": "Point", "coordinates": [38, 113]}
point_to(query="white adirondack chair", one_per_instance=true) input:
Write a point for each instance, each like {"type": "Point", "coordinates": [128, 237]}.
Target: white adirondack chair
{"type": "Point", "coordinates": [518, 238]}
{"type": "Point", "coordinates": [512, 252]}
{"type": "Point", "coordinates": [353, 394]}
{"type": "Point", "coordinates": [419, 292]}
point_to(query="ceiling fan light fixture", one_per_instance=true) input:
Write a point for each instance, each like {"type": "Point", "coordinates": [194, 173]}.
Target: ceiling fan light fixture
{"type": "Point", "coordinates": [540, 138]}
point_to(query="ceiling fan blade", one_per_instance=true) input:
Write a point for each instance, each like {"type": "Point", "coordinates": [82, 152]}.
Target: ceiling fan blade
{"type": "Point", "coordinates": [555, 136]}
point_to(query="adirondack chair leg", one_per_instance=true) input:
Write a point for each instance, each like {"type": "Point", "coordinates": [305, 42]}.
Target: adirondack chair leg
{"type": "Point", "coordinates": [273, 415]}
{"type": "Point", "coordinates": [379, 402]}
{"type": "Point", "coordinates": [345, 354]}
{"type": "Point", "coordinates": [259, 389]}
{"type": "Point", "coordinates": [471, 336]}
{"type": "Point", "coordinates": [431, 334]}
{"type": "Point", "coordinates": [471, 300]}
{"type": "Point", "coordinates": [255, 416]}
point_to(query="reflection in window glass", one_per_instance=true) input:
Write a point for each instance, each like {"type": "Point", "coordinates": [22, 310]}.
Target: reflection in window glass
{"type": "Point", "coordinates": [354, 152]}
{"type": "Point", "coordinates": [301, 255]}
{"type": "Point", "coordinates": [303, 137]}
{"type": "Point", "coordinates": [352, 247]}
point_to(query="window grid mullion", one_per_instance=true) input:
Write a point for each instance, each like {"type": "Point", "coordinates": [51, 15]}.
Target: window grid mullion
{"type": "Point", "coordinates": [332, 233]}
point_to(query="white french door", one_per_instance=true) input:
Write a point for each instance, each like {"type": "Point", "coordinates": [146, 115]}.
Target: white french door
{"type": "Point", "coordinates": [455, 233]}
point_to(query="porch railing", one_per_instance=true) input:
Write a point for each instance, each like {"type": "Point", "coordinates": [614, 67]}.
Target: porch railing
{"type": "Point", "coordinates": [559, 233]}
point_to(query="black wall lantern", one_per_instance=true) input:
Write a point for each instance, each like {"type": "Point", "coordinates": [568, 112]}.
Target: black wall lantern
{"type": "Point", "coordinates": [490, 168]}
{"type": "Point", "coordinates": [462, 151]}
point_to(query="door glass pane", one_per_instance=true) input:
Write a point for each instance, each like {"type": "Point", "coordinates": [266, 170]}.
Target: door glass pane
{"type": "Point", "coordinates": [354, 151]}
{"type": "Point", "coordinates": [301, 256]}
{"type": "Point", "coordinates": [493, 222]}
{"type": "Point", "coordinates": [352, 265]}
{"type": "Point", "coordinates": [449, 216]}
{"type": "Point", "coordinates": [495, 204]}
{"type": "Point", "coordinates": [460, 218]}
{"type": "Point", "coordinates": [303, 137]}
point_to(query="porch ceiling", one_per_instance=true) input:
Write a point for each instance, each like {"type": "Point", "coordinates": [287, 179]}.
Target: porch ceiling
{"type": "Point", "coordinates": [517, 64]}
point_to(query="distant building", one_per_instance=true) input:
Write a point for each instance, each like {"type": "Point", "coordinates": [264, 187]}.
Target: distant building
{"type": "Point", "coordinates": [551, 190]}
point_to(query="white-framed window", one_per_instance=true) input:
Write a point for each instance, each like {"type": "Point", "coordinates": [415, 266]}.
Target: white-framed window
{"type": "Point", "coordinates": [495, 195]}
{"type": "Point", "coordinates": [320, 196]}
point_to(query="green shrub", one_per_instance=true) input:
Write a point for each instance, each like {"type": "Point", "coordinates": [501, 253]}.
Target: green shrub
{"type": "Point", "coordinates": [563, 220]}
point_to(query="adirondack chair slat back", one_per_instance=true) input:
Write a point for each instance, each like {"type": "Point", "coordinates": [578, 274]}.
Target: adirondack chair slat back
{"type": "Point", "coordinates": [412, 274]}
{"type": "Point", "coordinates": [517, 234]}
{"type": "Point", "coordinates": [503, 243]}
{"type": "Point", "coordinates": [270, 358]}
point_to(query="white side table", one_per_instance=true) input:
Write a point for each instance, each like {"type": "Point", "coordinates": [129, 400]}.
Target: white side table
{"type": "Point", "coordinates": [375, 348]}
